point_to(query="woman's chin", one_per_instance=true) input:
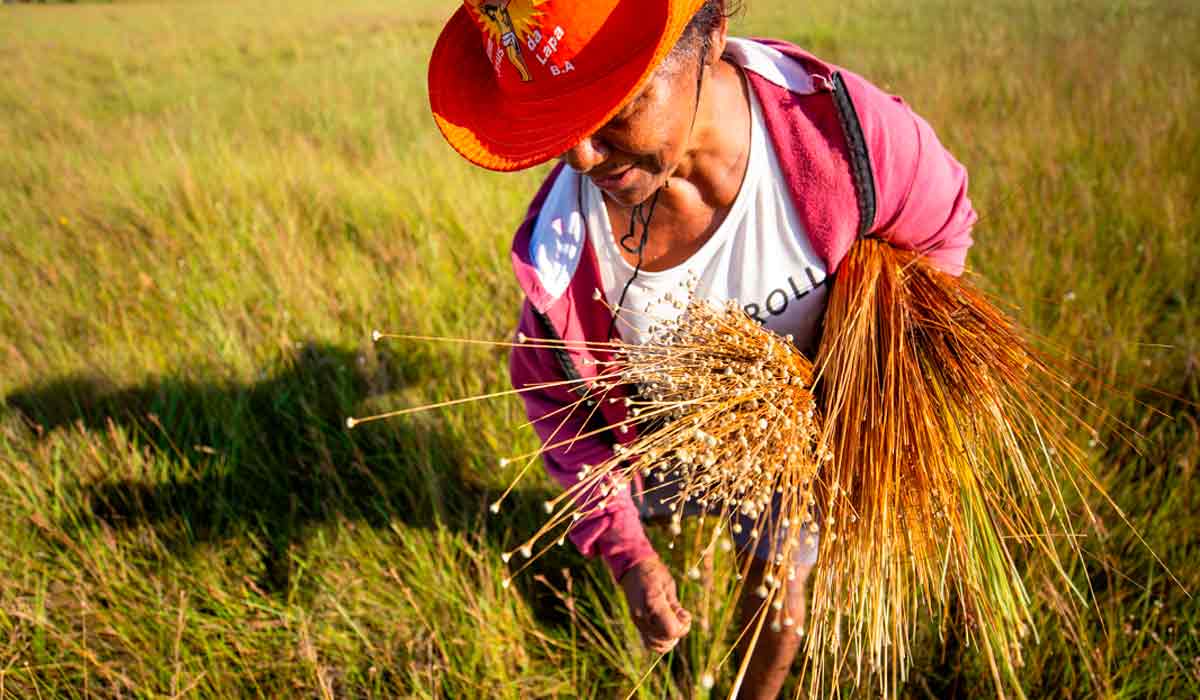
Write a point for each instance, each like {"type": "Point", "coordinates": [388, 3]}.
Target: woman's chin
{"type": "Point", "coordinates": [631, 195]}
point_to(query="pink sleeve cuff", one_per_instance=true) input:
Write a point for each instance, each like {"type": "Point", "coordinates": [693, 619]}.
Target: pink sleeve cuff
{"type": "Point", "coordinates": [624, 543]}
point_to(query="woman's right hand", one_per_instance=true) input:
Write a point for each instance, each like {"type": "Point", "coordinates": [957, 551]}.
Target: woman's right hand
{"type": "Point", "coordinates": [650, 591]}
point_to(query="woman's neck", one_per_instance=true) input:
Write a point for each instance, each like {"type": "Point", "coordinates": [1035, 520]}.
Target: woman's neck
{"type": "Point", "coordinates": [714, 165]}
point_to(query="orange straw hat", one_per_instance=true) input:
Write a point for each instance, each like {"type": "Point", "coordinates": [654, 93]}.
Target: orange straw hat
{"type": "Point", "coordinates": [514, 83]}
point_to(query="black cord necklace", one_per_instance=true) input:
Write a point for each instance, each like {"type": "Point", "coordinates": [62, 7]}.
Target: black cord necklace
{"type": "Point", "coordinates": [642, 216]}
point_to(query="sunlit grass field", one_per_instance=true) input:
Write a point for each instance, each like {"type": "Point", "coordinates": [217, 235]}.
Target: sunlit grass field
{"type": "Point", "coordinates": [206, 207]}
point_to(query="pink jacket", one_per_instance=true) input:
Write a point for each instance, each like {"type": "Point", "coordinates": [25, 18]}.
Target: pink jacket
{"type": "Point", "coordinates": [858, 162]}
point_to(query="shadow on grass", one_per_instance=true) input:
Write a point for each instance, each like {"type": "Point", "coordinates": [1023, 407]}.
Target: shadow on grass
{"type": "Point", "coordinates": [273, 459]}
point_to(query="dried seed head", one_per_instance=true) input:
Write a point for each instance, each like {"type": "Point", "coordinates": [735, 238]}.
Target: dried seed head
{"type": "Point", "coordinates": [717, 385]}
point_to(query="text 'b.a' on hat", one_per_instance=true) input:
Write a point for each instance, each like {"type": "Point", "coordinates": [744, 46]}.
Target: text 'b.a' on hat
{"type": "Point", "coordinates": [514, 83]}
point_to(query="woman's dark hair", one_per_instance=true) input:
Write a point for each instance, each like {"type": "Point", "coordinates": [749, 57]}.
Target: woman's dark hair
{"type": "Point", "coordinates": [696, 35]}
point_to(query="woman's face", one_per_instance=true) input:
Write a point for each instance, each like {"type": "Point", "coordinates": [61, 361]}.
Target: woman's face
{"type": "Point", "coordinates": [631, 156]}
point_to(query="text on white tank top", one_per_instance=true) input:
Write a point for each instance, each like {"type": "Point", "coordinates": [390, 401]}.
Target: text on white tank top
{"type": "Point", "coordinates": [760, 255]}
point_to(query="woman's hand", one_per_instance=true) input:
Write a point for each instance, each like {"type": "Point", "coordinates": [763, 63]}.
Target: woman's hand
{"type": "Point", "coordinates": [650, 592]}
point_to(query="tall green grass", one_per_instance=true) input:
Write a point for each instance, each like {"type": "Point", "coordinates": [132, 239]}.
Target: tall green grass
{"type": "Point", "coordinates": [205, 207]}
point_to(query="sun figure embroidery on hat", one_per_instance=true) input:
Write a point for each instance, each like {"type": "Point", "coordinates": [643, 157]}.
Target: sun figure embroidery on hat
{"type": "Point", "coordinates": [511, 23]}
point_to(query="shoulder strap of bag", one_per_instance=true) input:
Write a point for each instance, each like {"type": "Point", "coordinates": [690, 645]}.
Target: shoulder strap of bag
{"type": "Point", "coordinates": [860, 160]}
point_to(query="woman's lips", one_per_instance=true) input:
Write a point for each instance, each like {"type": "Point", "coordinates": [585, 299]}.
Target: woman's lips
{"type": "Point", "coordinates": [614, 181]}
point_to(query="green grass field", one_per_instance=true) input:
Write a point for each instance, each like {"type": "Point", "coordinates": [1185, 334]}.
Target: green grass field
{"type": "Point", "coordinates": [205, 207]}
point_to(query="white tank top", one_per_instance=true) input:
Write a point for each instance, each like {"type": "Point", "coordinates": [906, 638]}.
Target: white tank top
{"type": "Point", "coordinates": [760, 255]}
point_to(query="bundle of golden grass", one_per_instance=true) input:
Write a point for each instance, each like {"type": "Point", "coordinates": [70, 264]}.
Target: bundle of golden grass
{"type": "Point", "coordinates": [726, 420]}
{"type": "Point", "coordinates": [952, 451]}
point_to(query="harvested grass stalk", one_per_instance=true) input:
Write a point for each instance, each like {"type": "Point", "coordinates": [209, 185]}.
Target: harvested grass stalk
{"type": "Point", "coordinates": [950, 453]}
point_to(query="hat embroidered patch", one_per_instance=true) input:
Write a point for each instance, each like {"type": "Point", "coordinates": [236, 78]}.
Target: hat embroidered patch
{"type": "Point", "coordinates": [513, 27]}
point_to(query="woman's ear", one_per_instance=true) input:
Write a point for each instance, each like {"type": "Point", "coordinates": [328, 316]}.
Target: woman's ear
{"type": "Point", "coordinates": [714, 42]}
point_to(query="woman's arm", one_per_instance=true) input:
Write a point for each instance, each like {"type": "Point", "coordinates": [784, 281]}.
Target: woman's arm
{"type": "Point", "coordinates": [614, 532]}
{"type": "Point", "coordinates": [920, 189]}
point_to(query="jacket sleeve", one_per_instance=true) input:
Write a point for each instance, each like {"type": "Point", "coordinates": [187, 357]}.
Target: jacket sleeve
{"type": "Point", "coordinates": [615, 531]}
{"type": "Point", "coordinates": [921, 198]}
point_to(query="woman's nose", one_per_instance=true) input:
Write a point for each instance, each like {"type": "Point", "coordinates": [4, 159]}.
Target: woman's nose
{"type": "Point", "coordinates": [586, 154]}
